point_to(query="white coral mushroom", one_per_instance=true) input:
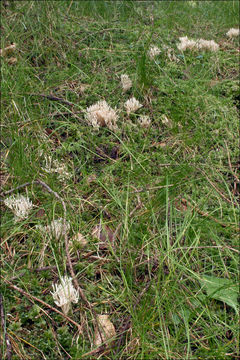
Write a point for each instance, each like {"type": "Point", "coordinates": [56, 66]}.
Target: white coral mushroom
{"type": "Point", "coordinates": [55, 229]}
{"type": "Point", "coordinates": [64, 294]}
{"type": "Point", "coordinates": [207, 45]}
{"type": "Point", "coordinates": [20, 205]}
{"type": "Point", "coordinates": [54, 166]}
{"type": "Point", "coordinates": [101, 114]}
{"type": "Point", "coordinates": [132, 105]}
{"type": "Point", "coordinates": [145, 121]}
{"type": "Point", "coordinates": [232, 32]}
{"type": "Point", "coordinates": [126, 82]}
{"type": "Point", "coordinates": [186, 43]}
{"type": "Point", "coordinates": [154, 51]}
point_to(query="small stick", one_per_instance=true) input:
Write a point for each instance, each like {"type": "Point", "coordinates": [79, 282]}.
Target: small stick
{"type": "Point", "coordinates": [3, 325]}
{"type": "Point", "coordinates": [32, 297]}
{"type": "Point", "coordinates": [218, 191]}
{"type": "Point", "coordinates": [54, 98]}
{"type": "Point", "coordinates": [94, 351]}
{"type": "Point", "coordinates": [205, 214]}
{"type": "Point", "coordinates": [70, 113]}
{"type": "Point", "coordinates": [69, 6]}
{"type": "Point", "coordinates": [32, 270]}
{"type": "Point", "coordinates": [17, 188]}
{"type": "Point", "coordinates": [54, 267]}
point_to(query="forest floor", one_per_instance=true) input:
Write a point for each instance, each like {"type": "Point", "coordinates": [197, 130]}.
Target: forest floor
{"type": "Point", "coordinates": [150, 231]}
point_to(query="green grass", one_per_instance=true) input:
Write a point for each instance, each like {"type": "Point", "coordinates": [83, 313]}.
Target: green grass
{"type": "Point", "coordinates": [171, 191]}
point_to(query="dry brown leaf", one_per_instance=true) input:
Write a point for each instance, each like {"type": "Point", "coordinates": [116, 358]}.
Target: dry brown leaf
{"type": "Point", "coordinates": [104, 234]}
{"type": "Point", "coordinates": [12, 61]}
{"type": "Point", "coordinates": [79, 239]}
{"type": "Point", "coordinates": [40, 213]}
{"type": "Point", "coordinates": [107, 329]}
{"type": "Point", "coordinates": [8, 50]}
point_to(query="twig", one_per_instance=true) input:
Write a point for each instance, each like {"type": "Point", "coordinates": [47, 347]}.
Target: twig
{"type": "Point", "coordinates": [69, 6]}
{"type": "Point", "coordinates": [54, 267]}
{"type": "Point", "coordinates": [138, 206]}
{"type": "Point", "coordinates": [17, 188]}
{"type": "Point", "coordinates": [218, 191]}
{"type": "Point", "coordinates": [44, 268]}
{"type": "Point", "coordinates": [94, 351]}
{"type": "Point", "coordinates": [70, 113]}
{"type": "Point", "coordinates": [20, 339]}
{"type": "Point", "coordinates": [3, 325]}
{"type": "Point", "coordinates": [32, 270]}
{"type": "Point", "coordinates": [54, 98]}
{"type": "Point", "coordinates": [205, 214]}
{"type": "Point", "coordinates": [32, 297]}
